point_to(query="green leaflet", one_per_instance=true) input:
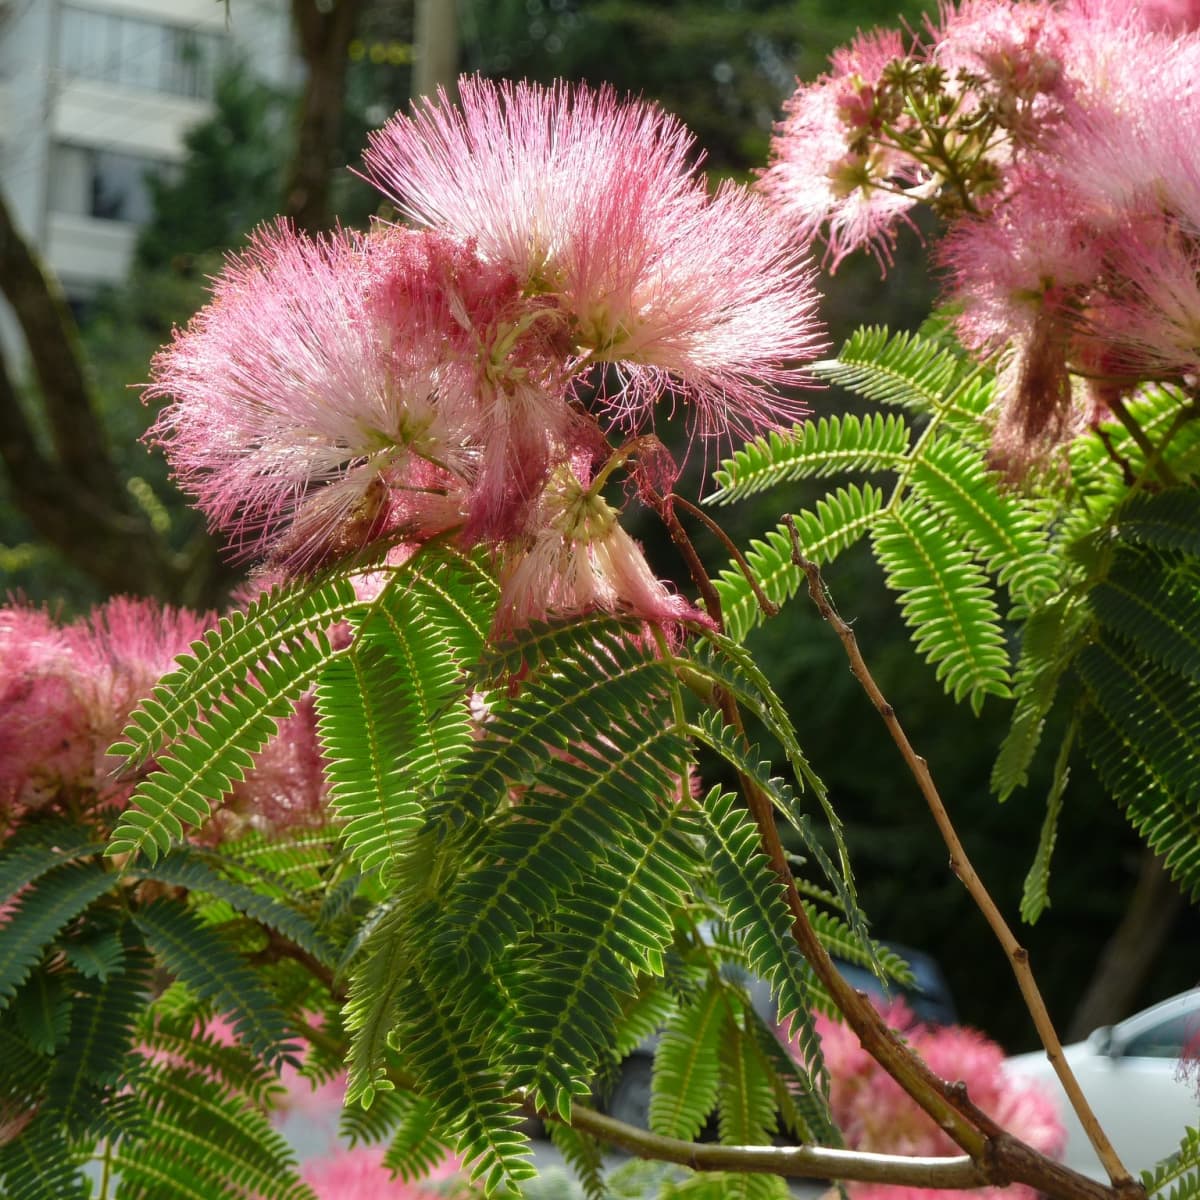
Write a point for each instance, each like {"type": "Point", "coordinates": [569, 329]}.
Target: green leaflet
{"type": "Point", "coordinates": [584, 1155]}
{"type": "Point", "coordinates": [1168, 520]}
{"type": "Point", "coordinates": [816, 448]}
{"type": "Point", "coordinates": [415, 1148]}
{"type": "Point", "coordinates": [41, 914]}
{"type": "Point", "coordinates": [1049, 640]}
{"type": "Point", "coordinates": [203, 764]}
{"type": "Point", "coordinates": [948, 602]}
{"type": "Point", "coordinates": [39, 847]}
{"type": "Point", "coordinates": [228, 659]}
{"type": "Point", "coordinates": [197, 954]}
{"type": "Point", "coordinates": [1159, 709]}
{"type": "Point", "coordinates": [901, 369]}
{"type": "Point", "coordinates": [393, 714]}
{"type": "Point", "coordinates": [185, 867]}
{"type": "Point", "coordinates": [834, 525]}
{"type": "Point", "coordinates": [202, 1140]}
{"type": "Point", "coordinates": [617, 923]}
{"type": "Point", "coordinates": [465, 1090]}
{"type": "Point", "coordinates": [101, 1035]}
{"type": "Point", "coordinates": [1006, 534]}
{"type": "Point", "coordinates": [754, 900]}
{"type": "Point", "coordinates": [42, 1008]}
{"type": "Point", "coordinates": [1177, 1178]}
{"type": "Point", "coordinates": [1035, 896]}
{"type": "Point", "coordinates": [1151, 599]}
{"type": "Point", "coordinates": [686, 1071]}
{"type": "Point", "coordinates": [40, 1165]}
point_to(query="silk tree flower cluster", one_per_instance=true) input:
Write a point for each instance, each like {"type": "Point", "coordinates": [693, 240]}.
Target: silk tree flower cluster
{"type": "Point", "coordinates": [67, 691]}
{"type": "Point", "coordinates": [1056, 140]}
{"type": "Point", "coordinates": [875, 1114]}
{"type": "Point", "coordinates": [479, 373]}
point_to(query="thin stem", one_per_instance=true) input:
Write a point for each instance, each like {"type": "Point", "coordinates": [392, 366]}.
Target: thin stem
{"type": "Point", "coordinates": [1143, 442]}
{"type": "Point", "coordinates": [712, 601]}
{"type": "Point", "coordinates": [768, 606]}
{"type": "Point", "coordinates": [105, 1169]}
{"type": "Point", "coordinates": [789, 1162]}
{"type": "Point", "coordinates": [961, 865]}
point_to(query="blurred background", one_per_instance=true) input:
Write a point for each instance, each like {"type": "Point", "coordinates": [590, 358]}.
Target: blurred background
{"type": "Point", "coordinates": [142, 139]}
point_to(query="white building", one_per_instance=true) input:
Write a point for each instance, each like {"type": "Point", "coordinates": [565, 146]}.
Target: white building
{"type": "Point", "coordinates": [96, 94]}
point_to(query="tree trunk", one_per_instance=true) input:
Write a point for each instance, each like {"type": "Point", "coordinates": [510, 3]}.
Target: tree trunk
{"type": "Point", "coordinates": [435, 57]}
{"type": "Point", "coordinates": [74, 497]}
{"type": "Point", "coordinates": [324, 29]}
{"type": "Point", "coordinates": [1131, 950]}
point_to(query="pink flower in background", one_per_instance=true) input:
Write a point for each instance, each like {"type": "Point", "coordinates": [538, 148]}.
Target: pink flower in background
{"type": "Point", "coordinates": [44, 720]}
{"type": "Point", "coordinates": [360, 1175]}
{"type": "Point", "coordinates": [67, 692]}
{"type": "Point", "coordinates": [819, 173]}
{"type": "Point", "coordinates": [875, 1114]}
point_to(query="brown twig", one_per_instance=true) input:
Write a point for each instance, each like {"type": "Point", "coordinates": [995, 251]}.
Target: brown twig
{"type": "Point", "coordinates": [712, 601]}
{"type": "Point", "coordinates": [961, 865]}
{"type": "Point", "coordinates": [768, 606]}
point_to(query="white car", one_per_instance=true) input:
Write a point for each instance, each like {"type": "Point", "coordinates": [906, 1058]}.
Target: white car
{"type": "Point", "coordinates": [1142, 1079]}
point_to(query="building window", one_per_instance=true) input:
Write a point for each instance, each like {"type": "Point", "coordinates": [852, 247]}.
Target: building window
{"type": "Point", "coordinates": [148, 55]}
{"type": "Point", "coordinates": [104, 184]}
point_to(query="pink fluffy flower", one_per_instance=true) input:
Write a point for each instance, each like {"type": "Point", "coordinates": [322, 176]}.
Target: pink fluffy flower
{"type": "Point", "coordinates": [824, 176]}
{"type": "Point", "coordinates": [301, 421]}
{"type": "Point", "coordinates": [875, 1114]}
{"type": "Point", "coordinates": [67, 692]}
{"type": "Point", "coordinates": [45, 742]}
{"type": "Point", "coordinates": [577, 559]}
{"type": "Point", "coordinates": [595, 205]}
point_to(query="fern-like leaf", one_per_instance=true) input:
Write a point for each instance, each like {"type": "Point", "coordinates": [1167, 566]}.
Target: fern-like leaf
{"type": "Point", "coordinates": [589, 738]}
{"type": "Point", "coordinates": [584, 1155]}
{"type": "Point", "coordinates": [210, 1137]}
{"type": "Point", "coordinates": [617, 923]}
{"type": "Point", "coordinates": [1007, 534]}
{"type": "Point", "coordinates": [903, 369]}
{"type": "Point", "coordinates": [187, 868]}
{"type": "Point", "coordinates": [1168, 822]}
{"type": "Point", "coordinates": [1049, 640]}
{"type": "Point", "coordinates": [196, 954]}
{"type": "Point", "coordinates": [948, 602]}
{"type": "Point", "coordinates": [35, 849]}
{"type": "Point", "coordinates": [686, 1070]}
{"type": "Point", "coordinates": [1035, 896]}
{"type": "Point", "coordinates": [817, 448]}
{"type": "Point", "coordinates": [468, 1094]}
{"type": "Point", "coordinates": [837, 522]}
{"type": "Point", "coordinates": [101, 1036]}
{"type": "Point", "coordinates": [1167, 520]}
{"type": "Point", "coordinates": [41, 1165]}
{"type": "Point", "coordinates": [1151, 600]}
{"type": "Point", "coordinates": [203, 764]}
{"type": "Point", "coordinates": [40, 915]}
{"type": "Point", "coordinates": [1160, 710]}
{"type": "Point", "coordinates": [415, 1148]}
{"type": "Point", "coordinates": [1178, 1178]}
{"type": "Point", "coordinates": [754, 901]}
{"type": "Point", "coordinates": [226, 658]}
{"type": "Point", "coordinates": [393, 712]}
